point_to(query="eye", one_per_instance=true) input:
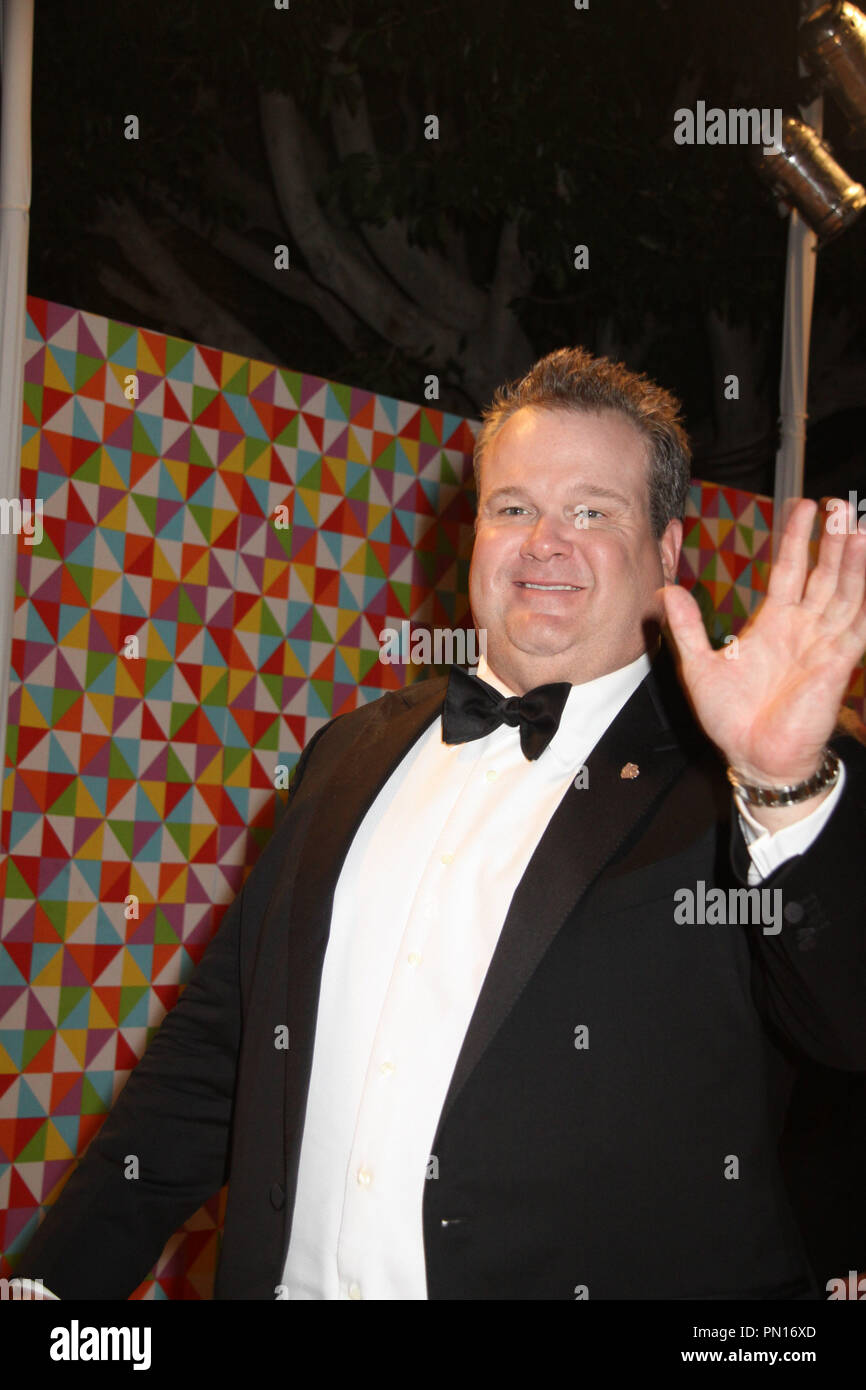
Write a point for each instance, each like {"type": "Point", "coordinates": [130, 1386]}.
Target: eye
{"type": "Point", "coordinates": [580, 512]}
{"type": "Point", "coordinates": [513, 508]}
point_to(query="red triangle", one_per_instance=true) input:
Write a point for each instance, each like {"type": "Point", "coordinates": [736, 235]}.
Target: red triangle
{"type": "Point", "coordinates": [124, 1058]}
{"type": "Point", "coordinates": [52, 846]}
{"type": "Point", "coordinates": [316, 426]}
{"type": "Point", "coordinates": [172, 408]}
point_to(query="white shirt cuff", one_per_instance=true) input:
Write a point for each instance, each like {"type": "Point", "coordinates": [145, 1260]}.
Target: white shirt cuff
{"type": "Point", "coordinates": [768, 849]}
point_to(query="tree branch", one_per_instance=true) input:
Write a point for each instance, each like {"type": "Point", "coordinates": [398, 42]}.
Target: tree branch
{"type": "Point", "coordinates": [205, 320]}
{"type": "Point", "coordinates": [373, 298]}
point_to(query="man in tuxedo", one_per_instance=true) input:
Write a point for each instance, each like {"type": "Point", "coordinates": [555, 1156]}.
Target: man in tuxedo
{"type": "Point", "coordinates": [496, 1015]}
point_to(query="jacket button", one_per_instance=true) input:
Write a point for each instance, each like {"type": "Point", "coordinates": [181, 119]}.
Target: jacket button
{"type": "Point", "coordinates": [277, 1195]}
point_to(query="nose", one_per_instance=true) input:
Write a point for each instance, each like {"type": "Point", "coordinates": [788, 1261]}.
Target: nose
{"type": "Point", "coordinates": [551, 536]}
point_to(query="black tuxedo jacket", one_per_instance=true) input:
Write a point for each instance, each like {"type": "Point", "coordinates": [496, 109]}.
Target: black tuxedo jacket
{"type": "Point", "coordinates": [643, 1165]}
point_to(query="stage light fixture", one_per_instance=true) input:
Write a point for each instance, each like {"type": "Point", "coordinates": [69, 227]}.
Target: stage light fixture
{"type": "Point", "coordinates": [832, 45]}
{"type": "Point", "coordinates": [804, 174]}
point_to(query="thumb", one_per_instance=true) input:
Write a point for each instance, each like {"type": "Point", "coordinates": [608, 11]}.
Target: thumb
{"type": "Point", "coordinates": [685, 622]}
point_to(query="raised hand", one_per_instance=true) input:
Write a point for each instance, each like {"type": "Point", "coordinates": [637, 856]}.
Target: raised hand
{"type": "Point", "coordinates": [772, 708]}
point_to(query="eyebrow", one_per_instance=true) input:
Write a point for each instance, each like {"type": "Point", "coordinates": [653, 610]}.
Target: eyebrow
{"type": "Point", "coordinates": [588, 489]}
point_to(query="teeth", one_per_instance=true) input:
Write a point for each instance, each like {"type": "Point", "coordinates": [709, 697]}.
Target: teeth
{"type": "Point", "coordinates": [549, 586]}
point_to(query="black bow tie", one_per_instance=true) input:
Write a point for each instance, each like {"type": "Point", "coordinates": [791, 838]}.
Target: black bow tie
{"type": "Point", "coordinates": [473, 708]}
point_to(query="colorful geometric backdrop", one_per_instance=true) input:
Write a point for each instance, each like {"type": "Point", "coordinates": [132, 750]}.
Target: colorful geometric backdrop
{"type": "Point", "coordinates": [152, 775]}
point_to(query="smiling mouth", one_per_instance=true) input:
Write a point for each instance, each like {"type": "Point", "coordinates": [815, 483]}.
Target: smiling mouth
{"type": "Point", "coordinates": [547, 588]}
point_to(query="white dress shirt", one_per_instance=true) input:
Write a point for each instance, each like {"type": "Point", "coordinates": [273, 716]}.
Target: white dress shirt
{"type": "Point", "coordinates": [419, 905]}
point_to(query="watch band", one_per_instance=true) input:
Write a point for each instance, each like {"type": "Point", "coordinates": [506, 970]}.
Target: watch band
{"type": "Point", "coordinates": [826, 776]}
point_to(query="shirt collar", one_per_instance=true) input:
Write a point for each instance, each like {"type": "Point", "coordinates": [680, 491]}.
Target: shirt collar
{"type": "Point", "coordinates": [590, 708]}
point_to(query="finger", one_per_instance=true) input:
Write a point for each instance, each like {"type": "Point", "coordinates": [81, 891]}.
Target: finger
{"type": "Point", "coordinates": [685, 622]}
{"type": "Point", "coordinates": [850, 583]}
{"type": "Point", "coordinates": [822, 582]}
{"type": "Point", "coordinates": [788, 575]}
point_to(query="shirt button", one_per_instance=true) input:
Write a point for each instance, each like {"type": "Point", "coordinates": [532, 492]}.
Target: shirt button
{"type": "Point", "coordinates": [414, 958]}
{"type": "Point", "coordinates": [491, 774]}
{"type": "Point", "coordinates": [387, 1069]}
{"type": "Point", "coordinates": [448, 858]}
{"type": "Point", "coordinates": [355, 1291]}
{"type": "Point", "coordinates": [365, 1177]}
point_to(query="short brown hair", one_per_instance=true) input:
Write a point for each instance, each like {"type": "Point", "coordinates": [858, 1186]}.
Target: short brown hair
{"type": "Point", "coordinates": [573, 379]}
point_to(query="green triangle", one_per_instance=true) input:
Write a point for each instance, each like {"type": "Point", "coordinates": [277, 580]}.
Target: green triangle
{"type": "Point", "coordinates": [293, 383]}
{"type": "Point", "coordinates": [312, 477]}
{"type": "Point", "coordinates": [372, 567]}
{"type": "Point", "coordinates": [70, 997]}
{"type": "Point", "coordinates": [219, 696]}
{"type": "Point", "coordinates": [85, 368]}
{"type": "Point", "coordinates": [270, 739]}
{"type": "Point", "coordinates": [403, 594]}
{"type": "Point", "coordinates": [368, 661]}
{"type": "Point", "coordinates": [175, 770]}
{"type": "Point", "coordinates": [360, 490]}
{"type": "Point", "coordinates": [240, 382]}
{"type": "Point", "coordinates": [12, 743]}
{"type": "Point", "coordinates": [203, 518]}
{"type": "Point", "coordinates": [117, 764]}
{"type": "Point", "coordinates": [201, 399]}
{"type": "Point", "coordinates": [268, 625]}
{"type": "Point", "coordinates": [176, 350]}
{"type": "Point", "coordinates": [154, 672]}
{"type": "Point", "coordinates": [427, 434]}
{"type": "Point", "coordinates": [319, 632]}
{"type": "Point", "coordinates": [56, 913]}
{"type": "Point", "coordinates": [253, 449]}
{"type": "Point", "coordinates": [284, 538]}
{"type": "Point", "coordinates": [88, 472]}
{"type": "Point", "coordinates": [186, 611]}
{"type": "Point", "coordinates": [197, 452]}
{"type": "Point", "coordinates": [16, 886]}
{"type": "Point", "coordinates": [446, 472]}
{"type": "Point", "coordinates": [83, 577]}
{"type": "Point", "coordinates": [141, 440]}
{"type": "Point", "coordinates": [119, 335]}
{"type": "Point", "coordinates": [325, 692]}
{"type": "Point", "coordinates": [146, 507]}
{"type": "Point", "coordinates": [33, 394]}
{"type": "Point", "coordinates": [273, 685]}
{"type": "Point", "coordinates": [46, 550]}
{"type": "Point", "coordinates": [163, 932]}
{"type": "Point", "coordinates": [232, 758]}
{"type": "Point", "coordinates": [179, 715]}
{"type": "Point", "coordinates": [388, 456]}
{"type": "Point", "coordinates": [34, 1040]}
{"type": "Point", "coordinates": [91, 1101]}
{"type": "Point", "coordinates": [124, 833]}
{"type": "Point", "coordinates": [34, 1152]}
{"type": "Point", "coordinates": [129, 997]}
{"type": "Point", "coordinates": [343, 396]}
{"type": "Point", "coordinates": [65, 803]}
{"type": "Point", "coordinates": [61, 702]}
{"type": "Point", "coordinates": [96, 664]}
{"type": "Point", "coordinates": [288, 435]}
{"type": "Point", "coordinates": [180, 833]}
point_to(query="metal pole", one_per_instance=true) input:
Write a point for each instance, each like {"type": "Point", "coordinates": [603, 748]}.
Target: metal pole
{"type": "Point", "coordinates": [15, 165]}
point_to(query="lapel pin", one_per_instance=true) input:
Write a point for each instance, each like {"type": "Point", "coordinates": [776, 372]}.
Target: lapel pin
{"type": "Point", "coordinates": [630, 771]}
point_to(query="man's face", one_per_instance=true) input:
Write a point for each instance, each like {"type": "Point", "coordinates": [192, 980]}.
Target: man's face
{"type": "Point", "coordinates": [565, 566]}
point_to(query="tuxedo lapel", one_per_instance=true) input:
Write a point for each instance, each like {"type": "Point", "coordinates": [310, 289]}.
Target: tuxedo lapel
{"type": "Point", "coordinates": [585, 831]}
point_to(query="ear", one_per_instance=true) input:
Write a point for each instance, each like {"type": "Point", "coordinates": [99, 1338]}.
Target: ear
{"type": "Point", "coordinates": [670, 544]}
